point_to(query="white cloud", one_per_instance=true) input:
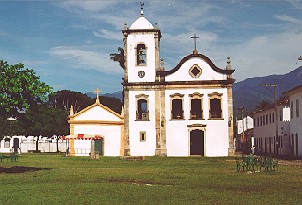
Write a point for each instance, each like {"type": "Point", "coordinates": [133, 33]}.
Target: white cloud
{"type": "Point", "coordinates": [289, 19]}
{"type": "Point", "coordinates": [85, 59]}
{"type": "Point", "coordinates": [112, 35]}
{"type": "Point", "coordinates": [89, 6]}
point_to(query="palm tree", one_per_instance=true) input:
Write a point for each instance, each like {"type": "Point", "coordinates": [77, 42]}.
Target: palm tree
{"type": "Point", "coordinates": [118, 57]}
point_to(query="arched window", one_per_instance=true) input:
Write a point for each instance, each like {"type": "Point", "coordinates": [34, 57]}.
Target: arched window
{"type": "Point", "coordinates": [142, 112]}
{"type": "Point", "coordinates": [141, 55]}
{"type": "Point", "coordinates": [297, 108]}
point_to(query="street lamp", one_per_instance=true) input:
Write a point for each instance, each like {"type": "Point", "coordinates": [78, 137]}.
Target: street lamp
{"type": "Point", "coordinates": [274, 91]}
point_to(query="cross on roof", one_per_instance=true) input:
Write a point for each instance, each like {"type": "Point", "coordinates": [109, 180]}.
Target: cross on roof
{"type": "Point", "coordinates": [97, 91]}
{"type": "Point", "coordinates": [195, 37]}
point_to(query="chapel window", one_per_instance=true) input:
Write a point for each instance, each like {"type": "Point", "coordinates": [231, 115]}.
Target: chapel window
{"type": "Point", "coordinates": [177, 106]}
{"type": "Point", "coordinates": [196, 106]}
{"type": "Point", "coordinates": [215, 106]}
{"type": "Point", "coordinates": [141, 54]}
{"type": "Point", "coordinates": [142, 112]}
{"type": "Point", "coordinates": [297, 108]}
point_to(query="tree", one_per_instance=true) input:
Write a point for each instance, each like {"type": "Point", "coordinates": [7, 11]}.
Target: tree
{"type": "Point", "coordinates": [113, 103]}
{"type": "Point", "coordinates": [45, 121]}
{"type": "Point", "coordinates": [118, 57]}
{"type": "Point", "coordinates": [263, 105]}
{"type": "Point", "coordinates": [9, 127]}
{"type": "Point", "coordinates": [65, 98]}
{"type": "Point", "coordinates": [19, 89]}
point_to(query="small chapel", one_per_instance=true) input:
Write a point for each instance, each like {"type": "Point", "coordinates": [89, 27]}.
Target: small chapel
{"type": "Point", "coordinates": [184, 111]}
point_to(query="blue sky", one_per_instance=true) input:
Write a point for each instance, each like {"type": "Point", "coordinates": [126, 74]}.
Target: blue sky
{"type": "Point", "coordinates": [68, 43]}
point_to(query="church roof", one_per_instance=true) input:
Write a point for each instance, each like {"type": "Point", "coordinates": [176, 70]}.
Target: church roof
{"type": "Point", "coordinates": [194, 55]}
{"type": "Point", "coordinates": [141, 23]}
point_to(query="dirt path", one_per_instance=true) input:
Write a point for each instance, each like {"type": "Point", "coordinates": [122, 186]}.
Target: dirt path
{"type": "Point", "coordinates": [19, 169]}
{"type": "Point", "coordinates": [291, 162]}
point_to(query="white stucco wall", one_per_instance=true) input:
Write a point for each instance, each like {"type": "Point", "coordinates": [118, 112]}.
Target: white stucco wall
{"type": "Point", "coordinates": [216, 135]}
{"type": "Point", "coordinates": [97, 113]}
{"type": "Point", "coordinates": [111, 134]}
{"type": "Point", "coordinates": [149, 68]}
{"type": "Point", "coordinates": [269, 130]}
{"type": "Point", "coordinates": [296, 122]}
{"type": "Point", "coordinates": [144, 148]}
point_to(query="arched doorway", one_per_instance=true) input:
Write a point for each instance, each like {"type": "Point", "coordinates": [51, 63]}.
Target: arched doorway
{"type": "Point", "coordinates": [197, 142]}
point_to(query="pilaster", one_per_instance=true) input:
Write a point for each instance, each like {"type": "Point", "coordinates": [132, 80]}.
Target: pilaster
{"type": "Point", "coordinates": [160, 123]}
{"type": "Point", "coordinates": [231, 150]}
{"type": "Point", "coordinates": [126, 123]}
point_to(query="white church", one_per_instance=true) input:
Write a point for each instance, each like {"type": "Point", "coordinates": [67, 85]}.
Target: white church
{"type": "Point", "coordinates": [184, 111]}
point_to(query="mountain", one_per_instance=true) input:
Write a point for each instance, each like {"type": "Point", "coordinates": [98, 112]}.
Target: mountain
{"type": "Point", "coordinates": [249, 94]}
{"type": "Point", "coordinates": [118, 95]}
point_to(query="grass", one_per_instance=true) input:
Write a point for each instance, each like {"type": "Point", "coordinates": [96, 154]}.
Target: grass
{"type": "Point", "coordinates": [156, 180]}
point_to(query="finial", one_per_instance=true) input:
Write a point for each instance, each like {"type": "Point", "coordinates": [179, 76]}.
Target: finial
{"type": "Point", "coordinates": [162, 63]}
{"type": "Point", "coordinates": [71, 112]}
{"type": "Point", "coordinates": [195, 37]}
{"type": "Point", "coordinates": [125, 26]}
{"type": "Point", "coordinates": [229, 66]}
{"type": "Point", "coordinates": [142, 8]}
{"type": "Point", "coordinates": [156, 25]}
{"type": "Point", "coordinates": [97, 91]}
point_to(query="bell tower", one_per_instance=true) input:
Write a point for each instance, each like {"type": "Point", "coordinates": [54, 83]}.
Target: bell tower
{"type": "Point", "coordinates": [141, 50]}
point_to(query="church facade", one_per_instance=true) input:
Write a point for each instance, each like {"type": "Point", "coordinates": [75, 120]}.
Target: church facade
{"type": "Point", "coordinates": [184, 111]}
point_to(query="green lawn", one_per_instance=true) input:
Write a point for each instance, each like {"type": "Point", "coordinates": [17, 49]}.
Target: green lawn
{"type": "Point", "coordinates": [156, 180]}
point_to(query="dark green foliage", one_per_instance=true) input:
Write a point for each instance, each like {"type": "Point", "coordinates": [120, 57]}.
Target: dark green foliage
{"type": "Point", "coordinates": [19, 89]}
{"type": "Point", "coordinates": [9, 127]}
{"type": "Point", "coordinates": [65, 98]}
{"type": "Point", "coordinates": [45, 121]}
{"type": "Point", "coordinates": [113, 103]}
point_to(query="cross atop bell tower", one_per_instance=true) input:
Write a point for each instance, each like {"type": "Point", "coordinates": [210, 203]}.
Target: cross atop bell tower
{"type": "Point", "coordinates": [142, 8]}
{"type": "Point", "coordinates": [195, 37]}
